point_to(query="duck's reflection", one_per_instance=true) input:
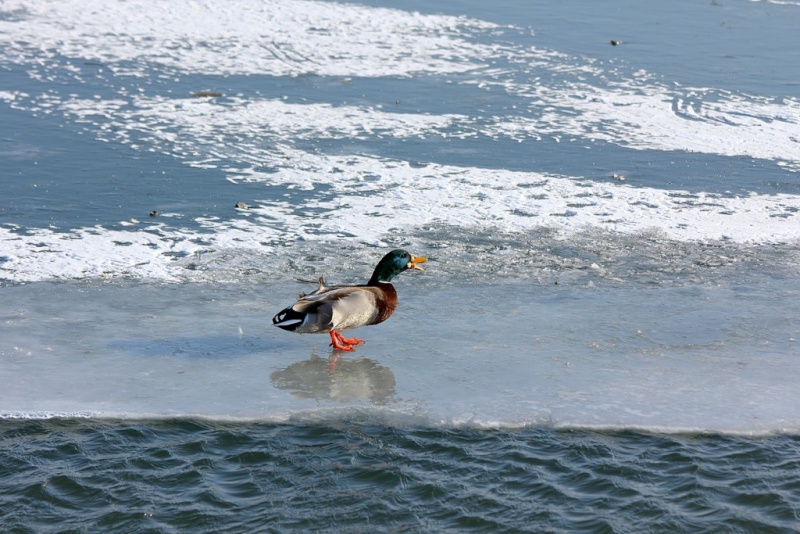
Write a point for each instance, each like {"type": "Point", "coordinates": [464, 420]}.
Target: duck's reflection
{"type": "Point", "coordinates": [336, 378]}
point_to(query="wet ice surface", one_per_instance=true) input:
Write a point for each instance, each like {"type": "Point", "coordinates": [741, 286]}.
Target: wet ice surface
{"type": "Point", "coordinates": [705, 357]}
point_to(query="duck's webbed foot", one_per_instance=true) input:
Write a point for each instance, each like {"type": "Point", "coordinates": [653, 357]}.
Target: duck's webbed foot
{"type": "Point", "coordinates": [338, 341]}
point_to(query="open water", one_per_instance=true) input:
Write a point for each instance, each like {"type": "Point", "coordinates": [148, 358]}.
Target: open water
{"type": "Point", "coordinates": [605, 338]}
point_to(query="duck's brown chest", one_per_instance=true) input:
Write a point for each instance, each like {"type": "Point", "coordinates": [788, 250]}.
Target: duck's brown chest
{"type": "Point", "coordinates": [387, 302]}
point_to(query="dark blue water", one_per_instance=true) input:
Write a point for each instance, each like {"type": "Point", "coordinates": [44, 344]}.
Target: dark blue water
{"type": "Point", "coordinates": [359, 476]}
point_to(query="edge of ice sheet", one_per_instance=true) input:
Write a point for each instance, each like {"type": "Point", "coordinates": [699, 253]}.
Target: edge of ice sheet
{"type": "Point", "coordinates": [400, 418]}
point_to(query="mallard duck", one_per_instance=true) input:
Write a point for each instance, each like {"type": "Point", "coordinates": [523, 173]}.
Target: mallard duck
{"type": "Point", "coordinates": [337, 309]}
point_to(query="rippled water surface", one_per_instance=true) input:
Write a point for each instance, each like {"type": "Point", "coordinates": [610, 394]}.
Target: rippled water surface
{"type": "Point", "coordinates": [360, 476]}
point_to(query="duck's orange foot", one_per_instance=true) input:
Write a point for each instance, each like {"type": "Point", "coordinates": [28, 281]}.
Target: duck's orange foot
{"type": "Point", "coordinates": [338, 341]}
{"type": "Point", "coordinates": [349, 340]}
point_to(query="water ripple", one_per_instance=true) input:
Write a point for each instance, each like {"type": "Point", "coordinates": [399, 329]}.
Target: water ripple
{"type": "Point", "coordinates": [357, 476]}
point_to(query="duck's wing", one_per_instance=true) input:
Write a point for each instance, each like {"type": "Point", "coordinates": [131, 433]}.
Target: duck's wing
{"type": "Point", "coordinates": [336, 308]}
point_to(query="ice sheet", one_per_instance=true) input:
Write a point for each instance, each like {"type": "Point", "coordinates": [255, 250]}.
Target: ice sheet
{"type": "Point", "coordinates": [696, 358]}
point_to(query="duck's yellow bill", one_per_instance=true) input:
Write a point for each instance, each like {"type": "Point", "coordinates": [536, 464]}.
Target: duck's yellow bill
{"type": "Point", "coordinates": [415, 260]}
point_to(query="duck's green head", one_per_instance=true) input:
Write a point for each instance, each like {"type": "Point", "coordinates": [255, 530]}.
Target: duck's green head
{"type": "Point", "coordinates": [395, 263]}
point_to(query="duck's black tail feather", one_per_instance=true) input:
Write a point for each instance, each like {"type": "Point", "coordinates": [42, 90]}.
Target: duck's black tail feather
{"type": "Point", "coordinates": [288, 319]}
